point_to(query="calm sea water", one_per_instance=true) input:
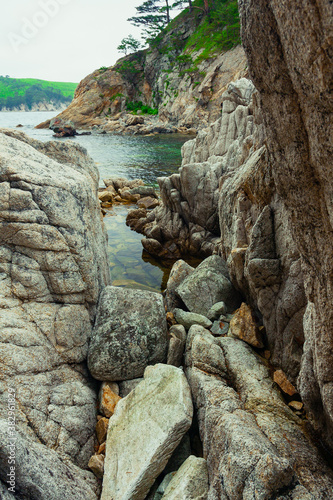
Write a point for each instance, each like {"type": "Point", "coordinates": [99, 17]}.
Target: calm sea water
{"type": "Point", "coordinates": [120, 156]}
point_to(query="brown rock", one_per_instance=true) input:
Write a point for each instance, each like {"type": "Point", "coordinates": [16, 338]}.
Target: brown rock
{"type": "Point", "coordinates": [108, 399]}
{"type": "Point", "coordinates": [134, 120]}
{"type": "Point", "coordinates": [170, 318]}
{"type": "Point", "coordinates": [243, 326]}
{"type": "Point", "coordinates": [102, 429]}
{"type": "Point", "coordinates": [101, 449]}
{"type": "Point", "coordinates": [284, 384]}
{"type": "Point", "coordinates": [96, 464]}
{"type": "Point", "coordinates": [148, 202]}
{"type": "Point", "coordinates": [126, 195]}
{"type": "Point", "coordinates": [296, 405]}
{"type": "Point", "coordinates": [105, 196]}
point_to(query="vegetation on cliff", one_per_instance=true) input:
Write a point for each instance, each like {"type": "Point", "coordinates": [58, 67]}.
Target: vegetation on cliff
{"type": "Point", "coordinates": [16, 92]}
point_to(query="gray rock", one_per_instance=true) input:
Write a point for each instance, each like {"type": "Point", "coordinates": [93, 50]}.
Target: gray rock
{"type": "Point", "coordinates": [144, 191]}
{"type": "Point", "coordinates": [126, 386]}
{"type": "Point", "coordinates": [176, 345]}
{"type": "Point", "coordinates": [207, 285]}
{"type": "Point", "coordinates": [181, 453]}
{"type": "Point", "coordinates": [144, 431]}
{"type": "Point", "coordinates": [187, 319]}
{"type": "Point", "coordinates": [130, 333]}
{"type": "Point", "coordinates": [53, 264]}
{"type": "Point", "coordinates": [180, 270]}
{"type": "Point", "coordinates": [216, 310]}
{"type": "Point", "coordinates": [220, 327]}
{"type": "Point", "coordinates": [190, 482]}
{"type": "Point", "coordinates": [40, 474]}
{"type": "Point", "coordinates": [204, 351]}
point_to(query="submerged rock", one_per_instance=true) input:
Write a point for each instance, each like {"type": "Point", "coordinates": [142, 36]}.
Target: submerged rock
{"type": "Point", "coordinates": [146, 428]}
{"type": "Point", "coordinates": [130, 333]}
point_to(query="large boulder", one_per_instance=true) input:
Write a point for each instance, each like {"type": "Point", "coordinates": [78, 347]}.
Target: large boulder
{"type": "Point", "coordinates": [53, 264]}
{"type": "Point", "coordinates": [144, 431]}
{"type": "Point", "coordinates": [130, 333]}
{"type": "Point", "coordinates": [208, 284]}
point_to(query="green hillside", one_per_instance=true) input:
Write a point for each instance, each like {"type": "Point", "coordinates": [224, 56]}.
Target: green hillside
{"type": "Point", "coordinates": [27, 91]}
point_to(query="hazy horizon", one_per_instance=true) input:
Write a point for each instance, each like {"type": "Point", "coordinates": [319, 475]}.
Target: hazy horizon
{"type": "Point", "coordinates": [62, 40]}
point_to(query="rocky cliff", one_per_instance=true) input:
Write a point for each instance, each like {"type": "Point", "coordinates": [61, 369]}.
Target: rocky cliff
{"type": "Point", "coordinates": [180, 84]}
{"type": "Point", "coordinates": [256, 187]}
{"type": "Point", "coordinates": [53, 265]}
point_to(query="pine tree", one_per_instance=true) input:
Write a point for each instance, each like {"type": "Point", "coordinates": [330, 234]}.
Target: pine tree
{"type": "Point", "coordinates": [152, 16]}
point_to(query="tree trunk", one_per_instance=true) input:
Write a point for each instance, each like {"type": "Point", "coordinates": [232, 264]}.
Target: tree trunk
{"type": "Point", "coordinates": [190, 5]}
{"type": "Point", "coordinates": [167, 11]}
{"type": "Point", "coordinates": [206, 6]}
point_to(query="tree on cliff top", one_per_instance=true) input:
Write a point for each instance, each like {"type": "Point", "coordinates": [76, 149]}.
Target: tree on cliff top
{"type": "Point", "coordinates": [129, 44]}
{"type": "Point", "coordinates": [152, 16]}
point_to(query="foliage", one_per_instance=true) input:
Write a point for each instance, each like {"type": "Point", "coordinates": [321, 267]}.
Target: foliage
{"type": "Point", "coordinates": [151, 17]}
{"type": "Point", "coordinates": [102, 69]}
{"type": "Point", "coordinates": [129, 44]}
{"type": "Point", "coordinates": [28, 91]}
{"type": "Point", "coordinates": [131, 71]}
{"type": "Point", "coordinates": [138, 105]}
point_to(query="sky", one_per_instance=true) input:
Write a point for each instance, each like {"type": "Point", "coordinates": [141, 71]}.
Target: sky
{"type": "Point", "coordinates": [62, 40]}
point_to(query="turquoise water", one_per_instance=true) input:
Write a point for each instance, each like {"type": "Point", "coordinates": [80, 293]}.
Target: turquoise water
{"type": "Point", "coordinates": [120, 156]}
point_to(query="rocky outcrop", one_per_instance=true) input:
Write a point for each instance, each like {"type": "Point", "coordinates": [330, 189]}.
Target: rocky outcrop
{"type": "Point", "coordinates": [187, 95]}
{"type": "Point", "coordinates": [53, 265]}
{"type": "Point", "coordinates": [290, 61]}
{"type": "Point", "coordinates": [144, 431]}
{"type": "Point", "coordinates": [254, 444]}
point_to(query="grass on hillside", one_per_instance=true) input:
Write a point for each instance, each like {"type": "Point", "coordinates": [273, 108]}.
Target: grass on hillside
{"type": "Point", "coordinates": [11, 86]}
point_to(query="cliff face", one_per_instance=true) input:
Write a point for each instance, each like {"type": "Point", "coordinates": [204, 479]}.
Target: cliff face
{"type": "Point", "coordinates": [53, 265]}
{"type": "Point", "coordinates": [164, 77]}
{"type": "Point", "coordinates": [256, 187]}
{"type": "Point", "coordinates": [291, 63]}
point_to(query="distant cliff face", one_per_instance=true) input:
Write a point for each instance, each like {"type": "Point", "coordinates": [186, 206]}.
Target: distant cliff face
{"type": "Point", "coordinates": [289, 49]}
{"type": "Point", "coordinates": [164, 77]}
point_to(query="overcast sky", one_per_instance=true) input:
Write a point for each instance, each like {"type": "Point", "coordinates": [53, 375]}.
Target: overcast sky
{"type": "Point", "coordinates": [62, 40]}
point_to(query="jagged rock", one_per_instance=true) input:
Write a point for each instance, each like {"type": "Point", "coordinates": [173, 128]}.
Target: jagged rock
{"type": "Point", "coordinates": [96, 464]}
{"type": "Point", "coordinates": [53, 265]}
{"type": "Point", "coordinates": [121, 182]}
{"type": "Point", "coordinates": [108, 399]}
{"type": "Point", "coordinates": [147, 202]}
{"type": "Point", "coordinates": [176, 345]}
{"type": "Point", "coordinates": [179, 271]}
{"type": "Point", "coordinates": [62, 128]}
{"type": "Point", "coordinates": [146, 428]}
{"type": "Point", "coordinates": [187, 319]}
{"type": "Point", "coordinates": [203, 351]}
{"type": "Point", "coordinates": [134, 120]}
{"type": "Point", "coordinates": [207, 285]}
{"type": "Point", "coordinates": [243, 326]}
{"type": "Point", "coordinates": [130, 332]}
{"type": "Point", "coordinates": [102, 429]}
{"type": "Point", "coordinates": [144, 191]}
{"type": "Point", "coordinates": [216, 310]}
{"type": "Point", "coordinates": [296, 106]}
{"type": "Point", "coordinates": [105, 196]}
{"type": "Point", "coordinates": [254, 444]}
{"type": "Point", "coordinates": [287, 387]}
{"type": "Point", "coordinates": [40, 474]}
{"type": "Point", "coordinates": [190, 482]}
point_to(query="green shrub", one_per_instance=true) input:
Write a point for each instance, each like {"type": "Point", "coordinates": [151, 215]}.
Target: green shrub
{"type": "Point", "coordinates": [138, 105]}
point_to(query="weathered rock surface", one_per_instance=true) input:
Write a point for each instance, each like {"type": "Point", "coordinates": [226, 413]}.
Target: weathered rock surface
{"type": "Point", "coordinates": [254, 444]}
{"type": "Point", "coordinates": [176, 345]}
{"type": "Point", "coordinates": [290, 60]}
{"type": "Point", "coordinates": [144, 431]}
{"type": "Point", "coordinates": [207, 285]}
{"type": "Point", "coordinates": [187, 319]}
{"type": "Point", "coordinates": [130, 333]}
{"type": "Point", "coordinates": [243, 326]}
{"type": "Point", "coordinates": [190, 482]}
{"type": "Point", "coordinates": [40, 473]}
{"type": "Point", "coordinates": [53, 264]}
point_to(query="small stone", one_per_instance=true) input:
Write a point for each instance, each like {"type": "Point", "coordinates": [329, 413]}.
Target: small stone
{"type": "Point", "coordinates": [220, 328]}
{"type": "Point", "coordinates": [108, 399]}
{"type": "Point", "coordinates": [96, 464]}
{"type": "Point", "coordinates": [281, 380]}
{"type": "Point", "coordinates": [170, 318]}
{"type": "Point", "coordinates": [105, 196]}
{"type": "Point", "coordinates": [296, 405]}
{"type": "Point", "coordinates": [101, 449]}
{"type": "Point", "coordinates": [127, 196]}
{"type": "Point", "coordinates": [187, 319]}
{"type": "Point", "coordinates": [267, 354]}
{"type": "Point", "coordinates": [102, 429]}
{"type": "Point", "coordinates": [216, 310]}
{"type": "Point", "coordinates": [243, 327]}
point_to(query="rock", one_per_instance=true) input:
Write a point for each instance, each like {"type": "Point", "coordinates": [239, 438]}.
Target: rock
{"type": "Point", "coordinates": [105, 196]}
{"type": "Point", "coordinates": [108, 399]}
{"type": "Point", "coordinates": [203, 351]}
{"type": "Point", "coordinates": [243, 326]}
{"type": "Point", "coordinates": [102, 429]}
{"type": "Point", "coordinates": [187, 319]}
{"type": "Point", "coordinates": [252, 440]}
{"type": "Point", "coordinates": [118, 183]}
{"type": "Point", "coordinates": [101, 449]}
{"type": "Point", "coordinates": [296, 405]}
{"type": "Point", "coordinates": [53, 266]}
{"type": "Point", "coordinates": [284, 384]}
{"type": "Point", "coordinates": [146, 428]}
{"type": "Point", "coordinates": [134, 120]}
{"type": "Point", "coordinates": [62, 128]}
{"type": "Point", "coordinates": [176, 345]}
{"type": "Point", "coordinates": [179, 271]}
{"type": "Point", "coordinates": [41, 474]}
{"type": "Point", "coordinates": [220, 327]}
{"type": "Point", "coordinates": [190, 482]}
{"type": "Point", "coordinates": [96, 464]}
{"type": "Point", "coordinates": [127, 196]}
{"type": "Point", "coordinates": [147, 202]}
{"type": "Point", "coordinates": [216, 310]}
{"type": "Point", "coordinates": [181, 453]}
{"type": "Point", "coordinates": [207, 285]}
{"type": "Point", "coordinates": [144, 191]}
{"type": "Point", "coordinates": [162, 487]}
{"type": "Point", "coordinates": [130, 332]}
{"type": "Point", "coordinates": [126, 386]}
